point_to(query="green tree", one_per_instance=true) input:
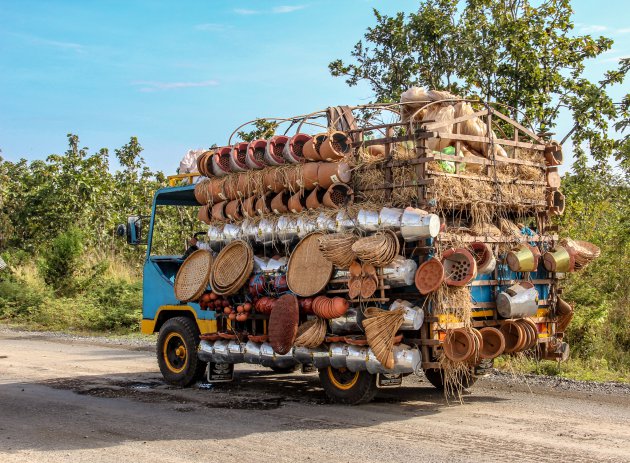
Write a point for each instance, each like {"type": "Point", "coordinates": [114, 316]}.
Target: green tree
{"type": "Point", "coordinates": [511, 52]}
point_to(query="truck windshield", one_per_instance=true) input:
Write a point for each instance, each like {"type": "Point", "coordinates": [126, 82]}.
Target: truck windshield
{"type": "Point", "coordinates": [173, 227]}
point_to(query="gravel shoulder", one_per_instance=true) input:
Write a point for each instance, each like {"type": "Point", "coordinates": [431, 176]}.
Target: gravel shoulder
{"type": "Point", "coordinates": [98, 399]}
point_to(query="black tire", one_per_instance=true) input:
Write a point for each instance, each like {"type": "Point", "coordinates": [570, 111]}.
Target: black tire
{"type": "Point", "coordinates": [177, 352]}
{"type": "Point", "coordinates": [436, 378]}
{"type": "Point", "coordinates": [344, 387]}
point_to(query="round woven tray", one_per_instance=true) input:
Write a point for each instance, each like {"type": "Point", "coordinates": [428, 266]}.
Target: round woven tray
{"type": "Point", "coordinates": [192, 277]}
{"type": "Point", "coordinates": [308, 271]}
{"type": "Point", "coordinates": [232, 267]}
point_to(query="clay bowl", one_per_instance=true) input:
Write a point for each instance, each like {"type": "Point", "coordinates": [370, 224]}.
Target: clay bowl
{"type": "Point", "coordinates": [513, 334]}
{"type": "Point", "coordinates": [429, 276]}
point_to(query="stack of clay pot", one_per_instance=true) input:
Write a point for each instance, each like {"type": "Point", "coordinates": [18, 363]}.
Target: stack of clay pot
{"type": "Point", "coordinates": [553, 158]}
{"type": "Point", "coordinates": [278, 175]}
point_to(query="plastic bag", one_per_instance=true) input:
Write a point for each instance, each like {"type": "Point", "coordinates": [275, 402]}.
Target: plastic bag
{"type": "Point", "coordinates": [188, 164]}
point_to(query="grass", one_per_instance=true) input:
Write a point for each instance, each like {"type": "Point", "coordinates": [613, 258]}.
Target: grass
{"type": "Point", "coordinates": [575, 368]}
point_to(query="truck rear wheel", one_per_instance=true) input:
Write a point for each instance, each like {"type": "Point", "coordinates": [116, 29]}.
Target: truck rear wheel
{"type": "Point", "coordinates": [345, 387]}
{"type": "Point", "coordinates": [177, 352]}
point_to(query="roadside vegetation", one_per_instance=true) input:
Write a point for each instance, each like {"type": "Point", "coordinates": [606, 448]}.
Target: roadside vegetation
{"type": "Point", "coordinates": [68, 271]}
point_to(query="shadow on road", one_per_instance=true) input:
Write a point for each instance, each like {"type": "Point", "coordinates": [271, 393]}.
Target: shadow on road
{"type": "Point", "coordinates": [100, 411]}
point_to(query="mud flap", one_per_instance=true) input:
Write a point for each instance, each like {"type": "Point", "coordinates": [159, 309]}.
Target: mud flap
{"type": "Point", "coordinates": [220, 372]}
{"type": "Point", "coordinates": [385, 380]}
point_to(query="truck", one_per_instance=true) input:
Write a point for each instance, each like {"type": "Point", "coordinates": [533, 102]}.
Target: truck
{"type": "Point", "coordinates": [411, 239]}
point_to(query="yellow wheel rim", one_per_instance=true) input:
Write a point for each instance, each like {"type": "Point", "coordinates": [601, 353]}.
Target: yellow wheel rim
{"type": "Point", "coordinates": [175, 353]}
{"type": "Point", "coordinates": [340, 382]}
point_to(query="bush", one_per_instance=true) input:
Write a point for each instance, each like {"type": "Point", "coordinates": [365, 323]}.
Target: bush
{"type": "Point", "coordinates": [61, 260]}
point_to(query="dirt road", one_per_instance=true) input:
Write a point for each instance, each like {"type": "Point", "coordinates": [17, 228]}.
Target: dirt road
{"type": "Point", "coordinates": [80, 400]}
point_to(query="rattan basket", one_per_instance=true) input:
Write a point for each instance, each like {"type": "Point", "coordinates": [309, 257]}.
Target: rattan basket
{"type": "Point", "coordinates": [232, 267]}
{"type": "Point", "coordinates": [379, 249]}
{"type": "Point", "coordinates": [308, 271]}
{"type": "Point", "coordinates": [192, 277]}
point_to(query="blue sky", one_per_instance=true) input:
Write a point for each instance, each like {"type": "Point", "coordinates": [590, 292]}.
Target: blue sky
{"type": "Point", "coordinates": [182, 75]}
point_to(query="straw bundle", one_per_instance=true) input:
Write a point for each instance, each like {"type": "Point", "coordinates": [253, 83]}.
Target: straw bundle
{"type": "Point", "coordinates": [311, 333]}
{"type": "Point", "coordinates": [380, 328]}
{"type": "Point", "coordinates": [337, 248]}
{"type": "Point", "coordinates": [378, 249]}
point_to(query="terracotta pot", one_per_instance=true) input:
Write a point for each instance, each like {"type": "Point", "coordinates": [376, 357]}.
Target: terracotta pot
{"type": "Point", "coordinates": [294, 149]}
{"type": "Point", "coordinates": [330, 173]}
{"type": "Point", "coordinates": [230, 187]}
{"type": "Point", "coordinates": [338, 196]}
{"type": "Point", "coordinates": [429, 276]}
{"type": "Point", "coordinates": [484, 257]}
{"type": "Point", "coordinates": [553, 178]}
{"type": "Point", "coordinates": [218, 211]}
{"type": "Point", "coordinates": [274, 149]}
{"type": "Point", "coordinates": [553, 154]}
{"type": "Point", "coordinates": [249, 207]}
{"type": "Point", "coordinates": [238, 154]}
{"type": "Point", "coordinates": [315, 198]}
{"type": "Point", "coordinates": [555, 202]}
{"type": "Point", "coordinates": [263, 204]}
{"type": "Point", "coordinates": [311, 147]}
{"type": "Point", "coordinates": [244, 185]}
{"type": "Point", "coordinates": [233, 210]}
{"type": "Point", "coordinates": [336, 146]}
{"type": "Point", "coordinates": [297, 202]}
{"type": "Point", "coordinates": [271, 182]}
{"type": "Point", "coordinates": [376, 151]}
{"type": "Point", "coordinates": [460, 266]}
{"type": "Point", "coordinates": [202, 193]}
{"type": "Point", "coordinates": [256, 154]}
{"type": "Point", "coordinates": [513, 334]}
{"type": "Point", "coordinates": [221, 161]}
{"type": "Point", "coordinates": [309, 179]}
{"type": "Point", "coordinates": [279, 204]}
{"type": "Point", "coordinates": [458, 345]}
{"type": "Point", "coordinates": [216, 190]}
{"type": "Point", "coordinates": [204, 164]}
{"type": "Point", "coordinates": [203, 214]}
{"type": "Point", "coordinates": [291, 178]}
{"type": "Point", "coordinates": [493, 343]}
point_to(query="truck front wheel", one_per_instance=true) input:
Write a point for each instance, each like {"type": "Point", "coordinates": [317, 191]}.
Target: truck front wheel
{"type": "Point", "coordinates": [345, 387]}
{"type": "Point", "coordinates": [177, 352]}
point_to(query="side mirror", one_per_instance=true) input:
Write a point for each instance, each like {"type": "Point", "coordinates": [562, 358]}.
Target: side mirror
{"type": "Point", "coordinates": [132, 230]}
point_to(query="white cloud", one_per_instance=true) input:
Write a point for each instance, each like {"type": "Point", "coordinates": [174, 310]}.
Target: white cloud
{"type": "Point", "coordinates": [590, 29]}
{"type": "Point", "coordinates": [72, 46]}
{"type": "Point", "coordinates": [152, 86]}
{"type": "Point", "coordinates": [245, 11]}
{"type": "Point", "coordinates": [212, 27]}
{"type": "Point", "coordinates": [625, 30]}
{"type": "Point", "coordinates": [288, 8]}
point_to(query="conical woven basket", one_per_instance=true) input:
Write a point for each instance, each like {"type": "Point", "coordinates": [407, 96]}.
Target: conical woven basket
{"type": "Point", "coordinates": [192, 277]}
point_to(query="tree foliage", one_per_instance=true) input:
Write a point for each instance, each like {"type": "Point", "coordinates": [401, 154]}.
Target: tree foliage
{"type": "Point", "coordinates": [511, 52]}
